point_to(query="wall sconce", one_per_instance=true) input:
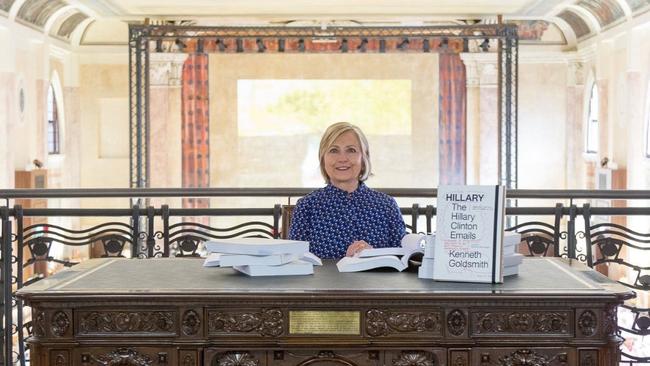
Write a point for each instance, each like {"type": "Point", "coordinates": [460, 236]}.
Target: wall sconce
{"type": "Point", "coordinates": [180, 45]}
{"type": "Point", "coordinates": [444, 44]}
{"type": "Point", "coordinates": [485, 45]}
{"type": "Point", "coordinates": [260, 45]}
{"type": "Point", "coordinates": [344, 45]}
{"type": "Point", "coordinates": [221, 46]}
{"type": "Point", "coordinates": [363, 46]}
{"type": "Point", "coordinates": [403, 45]}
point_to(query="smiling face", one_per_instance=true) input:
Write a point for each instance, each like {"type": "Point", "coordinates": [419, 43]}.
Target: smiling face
{"type": "Point", "coordinates": [343, 161]}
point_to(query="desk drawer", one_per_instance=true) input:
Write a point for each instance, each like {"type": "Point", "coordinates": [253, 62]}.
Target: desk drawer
{"type": "Point", "coordinates": [547, 356]}
{"type": "Point", "coordinates": [127, 355]}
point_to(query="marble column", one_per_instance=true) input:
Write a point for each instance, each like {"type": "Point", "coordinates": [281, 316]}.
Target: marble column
{"type": "Point", "coordinates": [482, 118]}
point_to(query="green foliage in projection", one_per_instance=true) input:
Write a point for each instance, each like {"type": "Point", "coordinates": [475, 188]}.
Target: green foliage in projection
{"type": "Point", "coordinates": [377, 106]}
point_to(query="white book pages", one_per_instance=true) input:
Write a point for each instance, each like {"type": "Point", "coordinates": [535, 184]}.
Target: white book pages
{"type": "Point", "coordinates": [511, 239]}
{"type": "Point", "coordinates": [426, 269]}
{"type": "Point", "coordinates": [511, 271]}
{"type": "Point", "coordinates": [356, 264]}
{"type": "Point", "coordinates": [212, 260]}
{"type": "Point", "coordinates": [378, 252]}
{"type": "Point", "coordinates": [510, 250]}
{"type": "Point", "coordinates": [257, 246]}
{"type": "Point", "coordinates": [295, 268]}
{"type": "Point", "coordinates": [512, 260]}
{"type": "Point", "coordinates": [229, 260]}
{"type": "Point", "coordinates": [311, 258]}
{"type": "Point", "coordinates": [409, 244]}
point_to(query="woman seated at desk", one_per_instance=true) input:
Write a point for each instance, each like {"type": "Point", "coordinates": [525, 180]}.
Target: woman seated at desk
{"type": "Point", "coordinates": [346, 216]}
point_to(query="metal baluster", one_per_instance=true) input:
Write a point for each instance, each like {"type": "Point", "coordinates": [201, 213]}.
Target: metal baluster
{"type": "Point", "coordinates": [415, 214]}
{"type": "Point", "coordinates": [7, 358]}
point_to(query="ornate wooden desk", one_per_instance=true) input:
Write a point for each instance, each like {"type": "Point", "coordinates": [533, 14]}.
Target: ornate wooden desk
{"type": "Point", "coordinates": [175, 312]}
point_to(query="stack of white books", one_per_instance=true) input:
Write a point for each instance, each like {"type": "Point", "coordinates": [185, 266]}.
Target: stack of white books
{"type": "Point", "coordinates": [511, 258]}
{"type": "Point", "coordinates": [262, 257]}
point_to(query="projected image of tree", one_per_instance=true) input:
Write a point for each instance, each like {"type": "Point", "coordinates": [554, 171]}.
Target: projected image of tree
{"type": "Point", "coordinates": [290, 107]}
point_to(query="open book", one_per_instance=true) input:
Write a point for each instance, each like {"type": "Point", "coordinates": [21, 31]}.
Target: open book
{"type": "Point", "coordinates": [395, 257]}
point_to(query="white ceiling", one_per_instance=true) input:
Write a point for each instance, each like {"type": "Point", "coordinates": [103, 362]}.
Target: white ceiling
{"type": "Point", "coordinates": [310, 8]}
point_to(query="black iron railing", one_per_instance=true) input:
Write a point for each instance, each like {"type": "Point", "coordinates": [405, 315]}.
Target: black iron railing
{"type": "Point", "coordinates": [564, 224]}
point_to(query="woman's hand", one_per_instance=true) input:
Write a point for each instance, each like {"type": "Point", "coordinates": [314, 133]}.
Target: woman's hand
{"type": "Point", "coordinates": [356, 247]}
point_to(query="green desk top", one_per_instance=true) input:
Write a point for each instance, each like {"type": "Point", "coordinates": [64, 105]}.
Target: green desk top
{"type": "Point", "coordinates": [182, 276]}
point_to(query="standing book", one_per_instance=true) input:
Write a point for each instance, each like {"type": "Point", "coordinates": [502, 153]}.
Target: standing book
{"type": "Point", "coordinates": [469, 234]}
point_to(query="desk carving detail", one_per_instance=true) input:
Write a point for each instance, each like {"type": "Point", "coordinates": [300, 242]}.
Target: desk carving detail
{"type": "Point", "coordinates": [127, 322]}
{"type": "Point", "coordinates": [268, 322]}
{"type": "Point", "coordinates": [384, 322]}
{"type": "Point", "coordinates": [587, 323]}
{"type": "Point", "coordinates": [525, 357]}
{"type": "Point", "coordinates": [415, 358]}
{"type": "Point", "coordinates": [456, 322]}
{"type": "Point", "coordinates": [191, 322]}
{"type": "Point", "coordinates": [60, 324]}
{"type": "Point", "coordinates": [119, 357]}
{"type": "Point", "coordinates": [236, 359]}
{"type": "Point", "coordinates": [517, 322]}
{"type": "Point", "coordinates": [39, 323]}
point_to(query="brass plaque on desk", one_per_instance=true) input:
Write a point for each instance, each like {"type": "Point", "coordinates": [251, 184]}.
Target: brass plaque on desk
{"type": "Point", "coordinates": [325, 322]}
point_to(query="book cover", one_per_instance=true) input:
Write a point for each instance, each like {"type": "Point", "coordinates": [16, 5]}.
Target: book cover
{"type": "Point", "coordinates": [469, 234]}
{"type": "Point", "coordinates": [257, 246]}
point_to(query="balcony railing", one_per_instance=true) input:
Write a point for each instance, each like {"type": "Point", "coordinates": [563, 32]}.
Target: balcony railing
{"type": "Point", "coordinates": [552, 223]}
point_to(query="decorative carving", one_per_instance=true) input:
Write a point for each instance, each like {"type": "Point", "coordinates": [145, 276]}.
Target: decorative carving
{"type": "Point", "coordinates": [384, 322]}
{"type": "Point", "coordinates": [236, 359]}
{"type": "Point", "coordinates": [456, 322]}
{"type": "Point", "coordinates": [119, 357]}
{"type": "Point", "coordinates": [60, 359]}
{"type": "Point", "coordinates": [188, 360]}
{"type": "Point", "coordinates": [126, 322]}
{"type": "Point", "coordinates": [588, 358]}
{"type": "Point", "coordinates": [191, 322]}
{"type": "Point", "coordinates": [415, 358]}
{"type": "Point", "coordinates": [268, 322]}
{"type": "Point", "coordinates": [587, 323]}
{"type": "Point", "coordinates": [521, 322]}
{"type": "Point", "coordinates": [39, 324]}
{"type": "Point", "coordinates": [460, 360]}
{"type": "Point", "coordinates": [59, 324]}
{"type": "Point", "coordinates": [610, 320]}
{"type": "Point", "coordinates": [524, 357]}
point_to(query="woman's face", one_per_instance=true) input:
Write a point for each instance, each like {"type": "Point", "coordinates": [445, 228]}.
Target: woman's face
{"type": "Point", "coordinates": [343, 162]}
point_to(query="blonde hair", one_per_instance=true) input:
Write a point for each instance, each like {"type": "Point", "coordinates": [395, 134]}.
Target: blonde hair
{"type": "Point", "coordinates": [331, 134]}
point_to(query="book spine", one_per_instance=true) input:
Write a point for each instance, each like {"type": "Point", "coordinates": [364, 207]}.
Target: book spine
{"type": "Point", "coordinates": [495, 233]}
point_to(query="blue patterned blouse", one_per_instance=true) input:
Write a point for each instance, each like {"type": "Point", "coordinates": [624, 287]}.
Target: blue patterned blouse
{"type": "Point", "coordinates": [330, 219]}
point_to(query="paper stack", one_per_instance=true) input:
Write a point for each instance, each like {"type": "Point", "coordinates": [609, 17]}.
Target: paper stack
{"type": "Point", "coordinates": [262, 257]}
{"type": "Point", "coordinates": [511, 259]}
{"type": "Point", "coordinates": [426, 268]}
